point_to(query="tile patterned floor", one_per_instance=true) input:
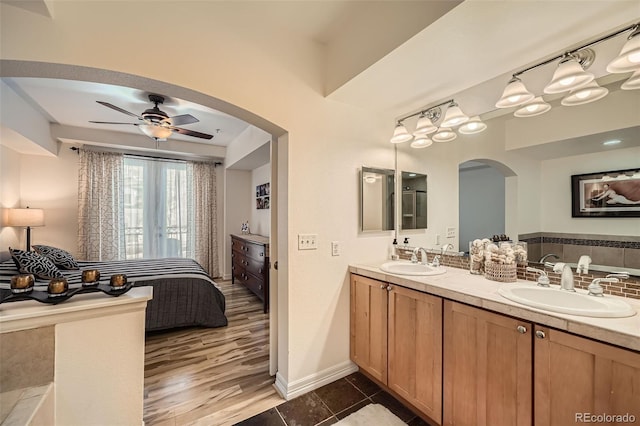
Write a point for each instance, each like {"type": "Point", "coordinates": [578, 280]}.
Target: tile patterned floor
{"type": "Point", "coordinates": [331, 403]}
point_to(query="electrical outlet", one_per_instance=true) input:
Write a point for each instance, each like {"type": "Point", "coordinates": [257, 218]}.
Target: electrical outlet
{"type": "Point", "coordinates": [335, 248]}
{"type": "Point", "coordinates": [437, 238]}
{"type": "Point", "coordinates": [307, 241]}
{"type": "Point", "coordinates": [451, 232]}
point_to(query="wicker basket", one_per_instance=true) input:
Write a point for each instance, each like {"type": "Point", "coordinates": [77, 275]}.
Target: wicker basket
{"type": "Point", "coordinates": [500, 272]}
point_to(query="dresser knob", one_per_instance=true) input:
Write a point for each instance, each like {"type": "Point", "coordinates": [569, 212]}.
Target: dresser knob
{"type": "Point", "coordinates": [540, 334]}
{"type": "Point", "coordinates": [521, 329]}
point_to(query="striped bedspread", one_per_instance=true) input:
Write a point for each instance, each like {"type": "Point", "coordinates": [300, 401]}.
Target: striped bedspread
{"type": "Point", "coordinates": [184, 295]}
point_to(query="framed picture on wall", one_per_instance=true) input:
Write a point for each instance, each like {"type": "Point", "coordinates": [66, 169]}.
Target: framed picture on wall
{"type": "Point", "coordinates": [262, 196]}
{"type": "Point", "coordinates": [606, 194]}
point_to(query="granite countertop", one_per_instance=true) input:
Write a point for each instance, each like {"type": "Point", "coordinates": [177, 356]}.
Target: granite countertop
{"type": "Point", "coordinates": [459, 285]}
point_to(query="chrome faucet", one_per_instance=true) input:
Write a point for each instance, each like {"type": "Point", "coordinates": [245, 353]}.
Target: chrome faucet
{"type": "Point", "coordinates": [416, 252]}
{"type": "Point", "coordinates": [566, 280]}
{"type": "Point", "coordinates": [543, 279]}
{"type": "Point", "coordinates": [595, 289]}
{"type": "Point", "coordinates": [544, 258]}
{"type": "Point", "coordinates": [445, 248]}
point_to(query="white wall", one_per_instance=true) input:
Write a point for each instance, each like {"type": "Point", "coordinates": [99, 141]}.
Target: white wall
{"type": "Point", "coordinates": [9, 197]}
{"type": "Point", "coordinates": [260, 221]}
{"type": "Point", "coordinates": [238, 205]}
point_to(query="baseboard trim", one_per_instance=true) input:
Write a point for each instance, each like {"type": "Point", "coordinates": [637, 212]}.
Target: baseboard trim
{"type": "Point", "coordinates": [290, 390]}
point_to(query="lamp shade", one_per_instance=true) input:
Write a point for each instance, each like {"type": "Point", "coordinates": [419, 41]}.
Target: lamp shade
{"type": "Point", "coordinates": [155, 131]}
{"type": "Point", "coordinates": [424, 126]}
{"type": "Point", "coordinates": [514, 94]}
{"type": "Point", "coordinates": [25, 217]}
{"type": "Point", "coordinates": [633, 82]}
{"type": "Point", "coordinates": [629, 57]}
{"type": "Point", "coordinates": [400, 134]}
{"type": "Point", "coordinates": [568, 76]}
{"type": "Point", "coordinates": [536, 107]}
{"type": "Point", "coordinates": [474, 125]}
{"type": "Point", "coordinates": [589, 93]}
{"type": "Point", "coordinates": [421, 142]}
{"type": "Point", "coordinates": [444, 134]}
{"type": "Point", "coordinates": [454, 116]}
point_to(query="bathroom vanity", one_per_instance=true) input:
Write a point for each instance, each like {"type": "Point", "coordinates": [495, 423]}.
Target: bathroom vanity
{"type": "Point", "coordinates": [461, 354]}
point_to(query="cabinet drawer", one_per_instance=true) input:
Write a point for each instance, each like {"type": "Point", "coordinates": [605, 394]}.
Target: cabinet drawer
{"type": "Point", "coordinates": [256, 267]}
{"type": "Point", "coordinates": [255, 284]}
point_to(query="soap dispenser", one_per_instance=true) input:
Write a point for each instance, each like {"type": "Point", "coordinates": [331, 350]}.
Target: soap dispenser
{"type": "Point", "coordinates": [393, 254]}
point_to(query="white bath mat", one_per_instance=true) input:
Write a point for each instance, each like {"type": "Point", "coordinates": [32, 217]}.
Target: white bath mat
{"type": "Point", "coordinates": [372, 414]}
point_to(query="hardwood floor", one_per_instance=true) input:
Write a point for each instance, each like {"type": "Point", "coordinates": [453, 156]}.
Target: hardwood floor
{"type": "Point", "coordinates": [211, 376]}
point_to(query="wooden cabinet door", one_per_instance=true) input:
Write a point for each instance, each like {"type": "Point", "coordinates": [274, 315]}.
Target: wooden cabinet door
{"type": "Point", "coordinates": [487, 368]}
{"type": "Point", "coordinates": [369, 326]}
{"type": "Point", "coordinates": [415, 349]}
{"type": "Point", "coordinates": [575, 376]}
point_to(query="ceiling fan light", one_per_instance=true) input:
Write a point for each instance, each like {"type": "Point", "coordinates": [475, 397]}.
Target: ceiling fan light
{"type": "Point", "coordinates": [155, 132]}
{"type": "Point", "coordinates": [536, 107]}
{"type": "Point", "coordinates": [633, 82]}
{"type": "Point", "coordinates": [424, 126]}
{"type": "Point", "coordinates": [421, 142]}
{"type": "Point", "coordinates": [568, 76]}
{"type": "Point", "coordinates": [444, 134]}
{"type": "Point", "coordinates": [454, 116]}
{"type": "Point", "coordinates": [400, 134]}
{"type": "Point", "coordinates": [589, 93]}
{"type": "Point", "coordinates": [514, 94]}
{"type": "Point", "coordinates": [474, 125]}
{"type": "Point", "coordinates": [629, 57]}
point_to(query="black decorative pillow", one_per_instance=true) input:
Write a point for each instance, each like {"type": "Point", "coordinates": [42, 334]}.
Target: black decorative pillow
{"type": "Point", "coordinates": [61, 258]}
{"type": "Point", "coordinates": [29, 262]}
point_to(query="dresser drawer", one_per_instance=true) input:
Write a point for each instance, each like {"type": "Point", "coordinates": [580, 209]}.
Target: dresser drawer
{"type": "Point", "coordinates": [255, 284]}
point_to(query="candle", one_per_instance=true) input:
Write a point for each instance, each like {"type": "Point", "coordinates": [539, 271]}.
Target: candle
{"type": "Point", "coordinates": [58, 287]}
{"type": "Point", "coordinates": [22, 283]}
{"type": "Point", "coordinates": [90, 277]}
{"type": "Point", "coordinates": [118, 280]}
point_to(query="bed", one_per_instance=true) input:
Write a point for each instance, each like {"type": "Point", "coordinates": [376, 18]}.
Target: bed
{"type": "Point", "coordinates": [183, 293]}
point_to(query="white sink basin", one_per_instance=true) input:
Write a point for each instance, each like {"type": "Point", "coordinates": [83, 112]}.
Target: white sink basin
{"type": "Point", "coordinates": [566, 302]}
{"type": "Point", "coordinates": [401, 267]}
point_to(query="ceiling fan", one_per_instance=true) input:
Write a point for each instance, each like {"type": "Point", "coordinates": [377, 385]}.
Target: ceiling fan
{"type": "Point", "coordinates": [155, 123]}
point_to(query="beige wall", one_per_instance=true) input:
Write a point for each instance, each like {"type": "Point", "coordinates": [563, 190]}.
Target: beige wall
{"type": "Point", "coordinates": [9, 197]}
{"type": "Point", "coordinates": [260, 219]}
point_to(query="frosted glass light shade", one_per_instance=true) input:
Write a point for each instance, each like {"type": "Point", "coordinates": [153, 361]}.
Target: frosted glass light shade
{"type": "Point", "coordinates": [629, 57]}
{"type": "Point", "coordinates": [589, 93]}
{"type": "Point", "coordinates": [568, 76]}
{"type": "Point", "coordinates": [400, 134]}
{"type": "Point", "coordinates": [25, 217]}
{"type": "Point", "coordinates": [536, 107]}
{"type": "Point", "coordinates": [514, 94]}
{"type": "Point", "coordinates": [424, 126]}
{"type": "Point", "coordinates": [156, 132]}
{"type": "Point", "coordinates": [474, 125]}
{"type": "Point", "coordinates": [421, 142]}
{"type": "Point", "coordinates": [454, 116]}
{"type": "Point", "coordinates": [444, 134]}
{"type": "Point", "coordinates": [633, 82]}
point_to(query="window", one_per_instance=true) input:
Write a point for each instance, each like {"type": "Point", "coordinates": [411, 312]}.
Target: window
{"type": "Point", "coordinates": [158, 220]}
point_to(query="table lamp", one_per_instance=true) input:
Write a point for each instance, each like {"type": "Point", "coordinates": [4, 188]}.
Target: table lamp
{"type": "Point", "coordinates": [26, 218]}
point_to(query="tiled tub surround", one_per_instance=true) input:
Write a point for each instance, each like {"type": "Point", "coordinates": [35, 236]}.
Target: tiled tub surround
{"type": "Point", "coordinates": [611, 250]}
{"type": "Point", "coordinates": [629, 287]}
{"type": "Point", "coordinates": [459, 285]}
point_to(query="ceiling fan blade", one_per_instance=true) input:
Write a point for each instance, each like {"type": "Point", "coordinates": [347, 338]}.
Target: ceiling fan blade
{"type": "Point", "coordinates": [108, 105]}
{"type": "Point", "coordinates": [113, 122]}
{"type": "Point", "coordinates": [190, 132]}
{"type": "Point", "coordinates": [180, 120]}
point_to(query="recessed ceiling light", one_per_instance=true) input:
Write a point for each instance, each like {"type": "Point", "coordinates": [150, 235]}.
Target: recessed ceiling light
{"type": "Point", "coordinates": [612, 142]}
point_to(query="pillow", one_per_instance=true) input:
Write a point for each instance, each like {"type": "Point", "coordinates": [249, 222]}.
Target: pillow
{"type": "Point", "coordinates": [61, 258]}
{"type": "Point", "coordinates": [29, 262]}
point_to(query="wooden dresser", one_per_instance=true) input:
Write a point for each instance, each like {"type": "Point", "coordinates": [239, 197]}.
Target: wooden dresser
{"type": "Point", "coordinates": [250, 264]}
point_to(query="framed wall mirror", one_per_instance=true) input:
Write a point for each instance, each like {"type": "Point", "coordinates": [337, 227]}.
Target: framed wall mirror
{"type": "Point", "coordinates": [377, 192]}
{"type": "Point", "coordinates": [414, 201]}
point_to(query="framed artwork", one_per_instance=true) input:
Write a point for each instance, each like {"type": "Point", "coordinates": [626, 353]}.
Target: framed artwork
{"type": "Point", "coordinates": [606, 194]}
{"type": "Point", "coordinates": [262, 196]}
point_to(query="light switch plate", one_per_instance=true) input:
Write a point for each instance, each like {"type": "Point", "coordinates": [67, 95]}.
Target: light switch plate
{"type": "Point", "coordinates": [451, 232]}
{"type": "Point", "coordinates": [335, 248]}
{"type": "Point", "coordinates": [307, 241]}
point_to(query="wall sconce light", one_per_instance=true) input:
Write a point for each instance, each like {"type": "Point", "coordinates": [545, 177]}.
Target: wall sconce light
{"type": "Point", "coordinates": [444, 134]}
{"type": "Point", "coordinates": [474, 125]}
{"type": "Point", "coordinates": [570, 76]}
{"type": "Point", "coordinates": [454, 116]}
{"type": "Point", "coordinates": [421, 142]}
{"type": "Point", "coordinates": [400, 134]}
{"type": "Point", "coordinates": [25, 218]}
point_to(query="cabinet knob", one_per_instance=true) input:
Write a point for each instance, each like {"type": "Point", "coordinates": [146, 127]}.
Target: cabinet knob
{"type": "Point", "coordinates": [383, 286]}
{"type": "Point", "coordinates": [260, 287]}
{"type": "Point", "coordinates": [540, 334]}
{"type": "Point", "coordinates": [389, 287]}
{"type": "Point", "coordinates": [521, 329]}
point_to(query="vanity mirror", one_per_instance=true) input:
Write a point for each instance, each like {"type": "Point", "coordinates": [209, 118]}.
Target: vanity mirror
{"type": "Point", "coordinates": [414, 201]}
{"type": "Point", "coordinates": [377, 192]}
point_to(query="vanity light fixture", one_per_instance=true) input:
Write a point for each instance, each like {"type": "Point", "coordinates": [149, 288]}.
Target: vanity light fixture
{"type": "Point", "coordinates": [421, 142]}
{"type": "Point", "coordinates": [571, 73]}
{"type": "Point", "coordinates": [536, 107]}
{"type": "Point", "coordinates": [629, 57]}
{"type": "Point", "coordinates": [400, 134]}
{"type": "Point", "coordinates": [514, 94]}
{"type": "Point", "coordinates": [444, 134]}
{"type": "Point", "coordinates": [589, 93]}
{"type": "Point", "coordinates": [474, 125]}
{"type": "Point", "coordinates": [425, 126]}
{"type": "Point", "coordinates": [454, 116]}
{"type": "Point", "coordinates": [633, 82]}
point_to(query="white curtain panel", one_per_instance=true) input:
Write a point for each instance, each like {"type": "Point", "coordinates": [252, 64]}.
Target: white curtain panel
{"type": "Point", "coordinates": [100, 200]}
{"type": "Point", "coordinates": [204, 208]}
